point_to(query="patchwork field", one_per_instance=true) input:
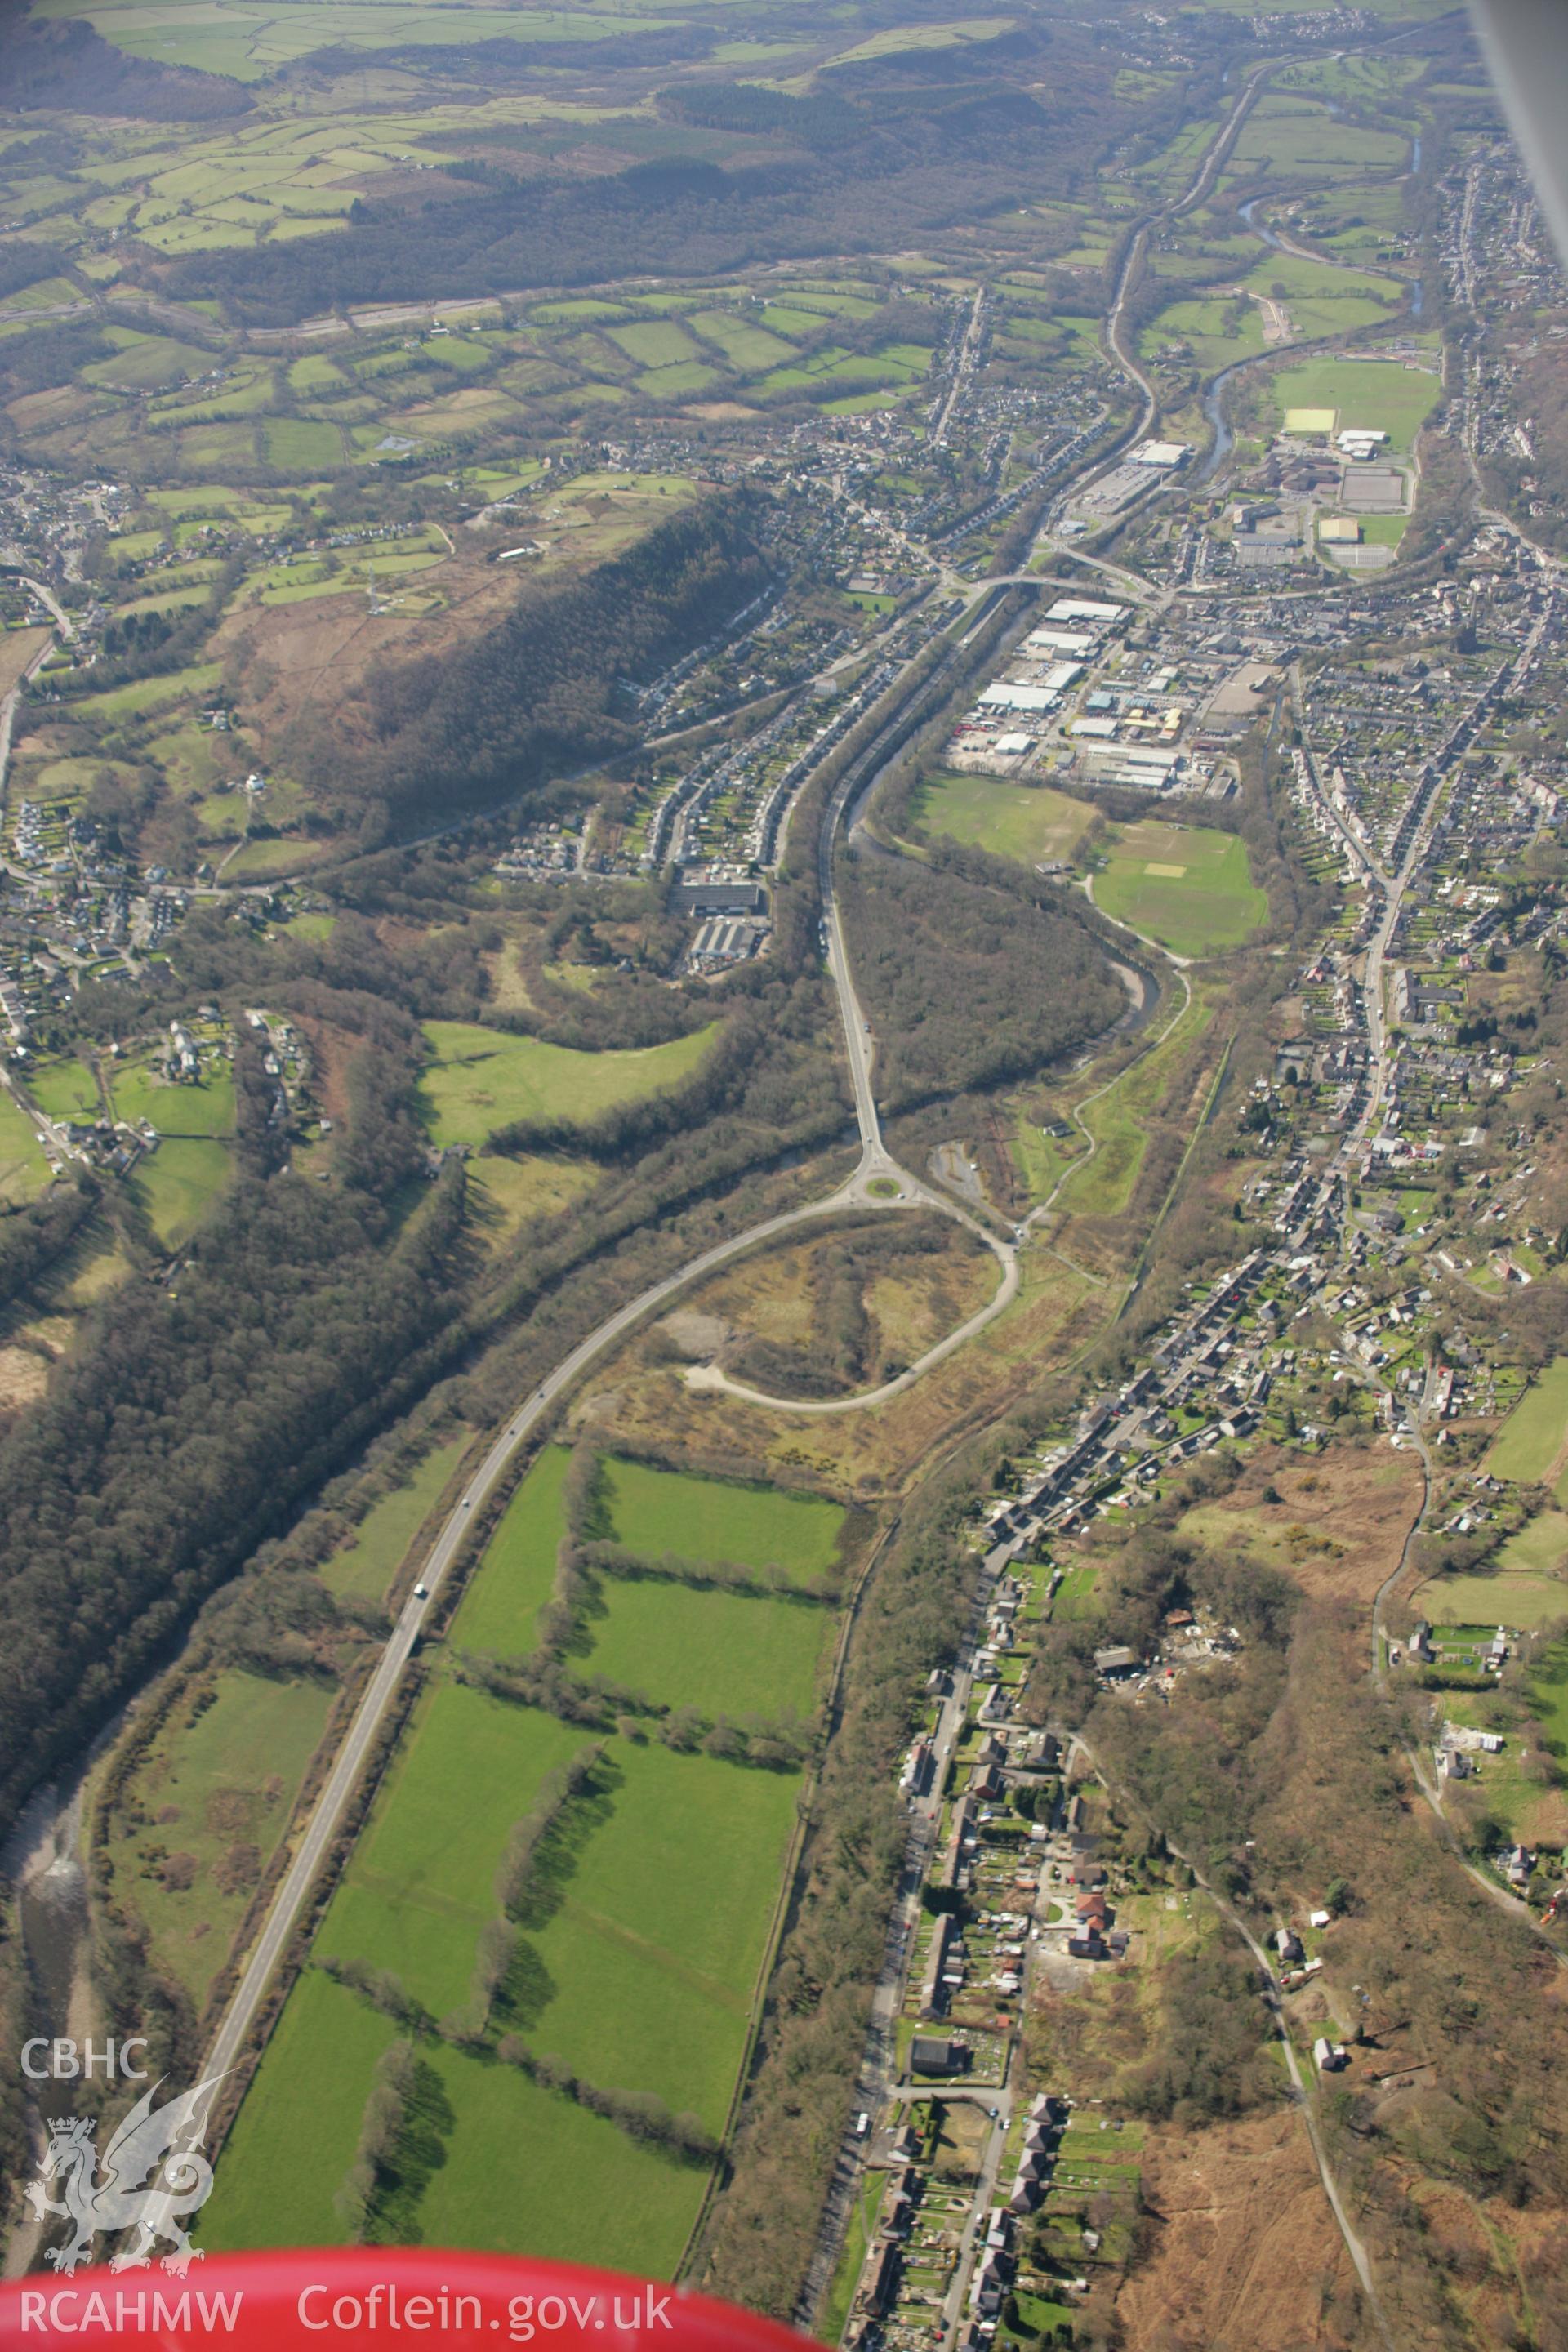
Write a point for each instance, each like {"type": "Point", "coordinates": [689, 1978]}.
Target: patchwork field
{"type": "Point", "coordinates": [1029, 822]}
{"type": "Point", "coordinates": [483, 1080]}
{"type": "Point", "coordinates": [1187, 886]}
{"type": "Point", "coordinates": [642, 1926]}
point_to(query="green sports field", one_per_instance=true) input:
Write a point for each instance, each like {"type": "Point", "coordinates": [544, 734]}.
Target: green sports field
{"type": "Point", "coordinates": [1184, 886]}
{"type": "Point", "coordinates": [659, 1511]}
{"type": "Point", "coordinates": [1532, 1437]}
{"type": "Point", "coordinates": [1380, 395]}
{"type": "Point", "coordinates": [482, 1079]}
{"type": "Point", "coordinates": [1032, 822]}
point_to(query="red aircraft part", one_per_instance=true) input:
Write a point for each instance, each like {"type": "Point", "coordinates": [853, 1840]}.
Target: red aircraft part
{"type": "Point", "coordinates": [389, 2297]}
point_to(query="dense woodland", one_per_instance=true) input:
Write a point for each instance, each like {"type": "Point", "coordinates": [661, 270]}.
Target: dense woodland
{"type": "Point", "coordinates": [489, 718]}
{"type": "Point", "coordinates": [965, 985]}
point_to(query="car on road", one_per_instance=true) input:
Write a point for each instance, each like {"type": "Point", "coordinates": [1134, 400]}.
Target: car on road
{"type": "Point", "coordinates": [422, 1593]}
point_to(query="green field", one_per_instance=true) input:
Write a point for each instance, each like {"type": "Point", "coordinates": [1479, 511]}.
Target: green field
{"type": "Point", "coordinates": [482, 1079]}
{"type": "Point", "coordinates": [1075, 1595]}
{"type": "Point", "coordinates": [639, 1966]}
{"type": "Point", "coordinates": [420, 1884]}
{"type": "Point", "coordinates": [64, 1091]}
{"type": "Point", "coordinates": [1029, 822]}
{"type": "Point", "coordinates": [24, 1170]}
{"type": "Point", "coordinates": [1377, 394]}
{"type": "Point", "coordinates": [525, 2171]}
{"type": "Point", "coordinates": [747, 347]}
{"type": "Point", "coordinates": [733, 1654]}
{"type": "Point", "coordinates": [210, 1786]}
{"type": "Point", "coordinates": [1187, 886]}
{"type": "Point", "coordinates": [275, 2183]}
{"type": "Point", "coordinates": [1519, 1599]}
{"type": "Point", "coordinates": [178, 1184]}
{"type": "Point", "coordinates": [645, 1973]}
{"type": "Point", "coordinates": [151, 693]}
{"type": "Point", "coordinates": [659, 1511]}
{"type": "Point", "coordinates": [1549, 1697]}
{"type": "Point", "coordinates": [499, 1611]}
{"type": "Point", "coordinates": [1532, 1437]}
{"type": "Point", "coordinates": [203, 1107]}
{"type": "Point", "coordinates": [1212, 330]}
{"type": "Point", "coordinates": [363, 1569]}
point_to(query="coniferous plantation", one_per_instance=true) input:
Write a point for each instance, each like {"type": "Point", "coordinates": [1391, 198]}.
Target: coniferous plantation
{"type": "Point", "coordinates": [783, 1300]}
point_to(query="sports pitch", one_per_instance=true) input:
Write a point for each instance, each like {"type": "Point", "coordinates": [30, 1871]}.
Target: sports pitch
{"type": "Point", "coordinates": [1186, 886]}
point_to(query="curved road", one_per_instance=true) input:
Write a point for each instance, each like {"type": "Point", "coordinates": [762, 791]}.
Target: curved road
{"type": "Point", "coordinates": [895, 1189]}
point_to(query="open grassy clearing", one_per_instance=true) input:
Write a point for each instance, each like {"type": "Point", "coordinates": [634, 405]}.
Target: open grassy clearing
{"type": "Point", "coordinates": [364, 1568]}
{"type": "Point", "coordinates": [1523, 1600]}
{"type": "Point", "coordinates": [214, 1797]}
{"type": "Point", "coordinates": [151, 693]}
{"type": "Point", "coordinates": [499, 1611]}
{"type": "Point", "coordinates": [661, 1511]}
{"type": "Point", "coordinates": [483, 1080]}
{"type": "Point", "coordinates": [24, 1170]}
{"type": "Point", "coordinates": [65, 1090]}
{"type": "Point", "coordinates": [1296, 136]}
{"type": "Point", "coordinates": [1186, 886]}
{"type": "Point", "coordinates": [1029, 822]}
{"type": "Point", "coordinates": [203, 1107]}
{"type": "Point", "coordinates": [1531, 1438]}
{"type": "Point", "coordinates": [733, 1654]}
{"type": "Point", "coordinates": [178, 1185]}
{"type": "Point", "coordinates": [1214, 328]}
{"type": "Point", "coordinates": [1381, 395]}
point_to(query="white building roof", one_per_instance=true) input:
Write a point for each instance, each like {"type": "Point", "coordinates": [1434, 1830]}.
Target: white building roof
{"type": "Point", "coordinates": [1080, 608]}
{"type": "Point", "coordinates": [1059, 641]}
{"type": "Point", "coordinates": [1003, 695]}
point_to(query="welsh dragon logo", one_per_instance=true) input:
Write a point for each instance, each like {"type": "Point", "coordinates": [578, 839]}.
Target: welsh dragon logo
{"type": "Point", "coordinates": [150, 2178]}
